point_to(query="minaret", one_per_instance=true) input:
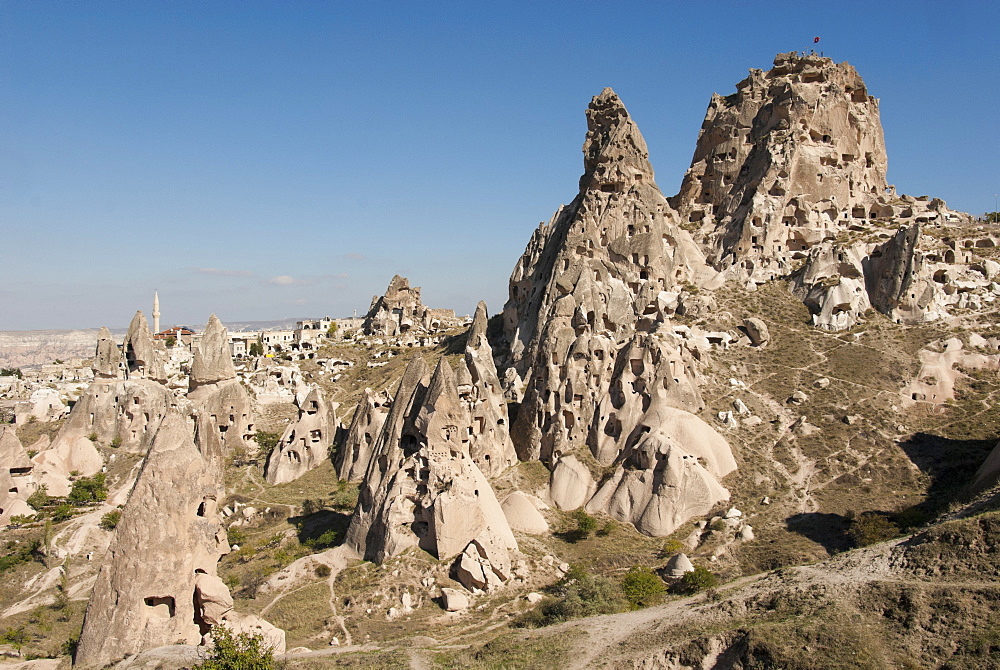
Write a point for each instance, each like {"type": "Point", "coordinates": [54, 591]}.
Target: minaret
{"type": "Point", "coordinates": [156, 312]}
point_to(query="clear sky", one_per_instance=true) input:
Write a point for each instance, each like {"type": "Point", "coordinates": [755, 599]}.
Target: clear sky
{"type": "Point", "coordinates": [264, 160]}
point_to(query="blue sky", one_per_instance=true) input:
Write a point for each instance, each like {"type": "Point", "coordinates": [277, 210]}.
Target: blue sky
{"type": "Point", "coordinates": [264, 160]}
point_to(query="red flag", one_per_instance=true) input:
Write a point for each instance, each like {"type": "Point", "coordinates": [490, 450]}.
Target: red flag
{"type": "Point", "coordinates": [815, 40]}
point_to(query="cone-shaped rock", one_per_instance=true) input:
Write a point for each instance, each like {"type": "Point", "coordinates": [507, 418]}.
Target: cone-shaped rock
{"type": "Point", "coordinates": [305, 444]}
{"type": "Point", "coordinates": [168, 536]}
{"type": "Point", "coordinates": [356, 451]}
{"type": "Point", "coordinates": [213, 360]}
{"type": "Point", "coordinates": [423, 488]}
{"type": "Point", "coordinates": [107, 357]}
{"type": "Point", "coordinates": [142, 358]}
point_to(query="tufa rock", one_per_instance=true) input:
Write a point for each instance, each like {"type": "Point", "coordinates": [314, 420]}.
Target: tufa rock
{"type": "Point", "coordinates": [423, 488]}
{"type": "Point", "coordinates": [305, 444]}
{"type": "Point", "coordinates": [107, 362]}
{"type": "Point", "coordinates": [356, 451]}
{"type": "Point", "coordinates": [213, 361]}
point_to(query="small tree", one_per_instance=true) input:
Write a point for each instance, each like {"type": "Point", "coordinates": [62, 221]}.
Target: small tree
{"type": "Point", "coordinates": [110, 520]}
{"type": "Point", "coordinates": [171, 341]}
{"type": "Point", "coordinates": [585, 524]}
{"type": "Point", "coordinates": [692, 582]}
{"type": "Point", "coordinates": [242, 651]}
{"type": "Point", "coordinates": [642, 587]}
{"type": "Point", "coordinates": [266, 441]}
{"type": "Point", "coordinates": [40, 498]}
{"type": "Point", "coordinates": [89, 489]}
{"type": "Point", "coordinates": [332, 330]}
{"type": "Point", "coordinates": [15, 637]}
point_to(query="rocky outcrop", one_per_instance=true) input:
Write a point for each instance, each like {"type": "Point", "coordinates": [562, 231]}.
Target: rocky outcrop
{"type": "Point", "coordinates": [223, 407]}
{"type": "Point", "coordinates": [669, 472]}
{"type": "Point", "coordinates": [213, 360]}
{"type": "Point", "coordinates": [399, 311]}
{"type": "Point", "coordinates": [480, 390]}
{"type": "Point", "coordinates": [424, 490]}
{"type": "Point", "coordinates": [305, 444]}
{"type": "Point", "coordinates": [143, 358]}
{"type": "Point", "coordinates": [788, 176]}
{"type": "Point", "coordinates": [107, 362]}
{"type": "Point", "coordinates": [356, 452]}
{"type": "Point", "coordinates": [588, 321]}
{"type": "Point", "coordinates": [603, 270]}
{"type": "Point", "coordinates": [168, 536]}
{"type": "Point", "coordinates": [16, 480]}
{"type": "Point", "coordinates": [158, 584]}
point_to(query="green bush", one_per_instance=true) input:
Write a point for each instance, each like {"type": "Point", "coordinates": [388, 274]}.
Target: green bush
{"type": "Point", "coordinates": [116, 441]}
{"type": "Point", "coordinates": [236, 536]}
{"type": "Point", "coordinates": [110, 520]}
{"type": "Point", "coordinates": [244, 651]}
{"type": "Point", "coordinates": [266, 441]}
{"type": "Point", "coordinates": [325, 540]}
{"type": "Point", "coordinates": [23, 553]}
{"type": "Point", "coordinates": [63, 512]}
{"type": "Point", "coordinates": [871, 527]}
{"type": "Point", "coordinates": [692, 582]}
{"type": "Point", "coordinates": [92, 436]}
{"type": "Point", "coordinates": [322, 571]}
{"type": "Point", "coordinates": [642, 587]}
{"type": "Point", "coordinates": [89, 489]}
{"type": "Point", "coordinates": [40, 498]}
{"type": "Point", "coordinates": [579, 594]}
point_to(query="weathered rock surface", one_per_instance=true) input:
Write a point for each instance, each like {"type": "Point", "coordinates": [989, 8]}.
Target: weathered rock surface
{"type": "Point", "coordinates": [223, 407]}
{"type": "Point", "coordinates": [588, 320]}
{"type": "Point", "coordinates": [480, 390]}
{"type": "Point", "coordinates": [213, 361]}
{"type": "Point", "coordinates": [522, 514]}
{"type": "Point", "coordinates": [423, 488]}
{"type": "Point", "coordinates": [143, 358]}
{"type": "Point", "coordinates": [107, 362]}
{"type": "Point", "coordinates": [399, 311]}
{"type": "Point", "coordinates": [791, 168]}
{"type": "Point", "coordinates": [169, 532]}
{"type": "Point", "coordinates": [356, 452]}
{"type": "Point", "coordinates": [305, 444]}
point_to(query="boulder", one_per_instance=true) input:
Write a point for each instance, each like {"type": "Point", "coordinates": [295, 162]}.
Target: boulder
{"type": "Point", "coordinates": [523, 515]}
{"type": "Point", "coordinates": [571, 484]}
{"type": "Point", "coordinates": [454, 600]}
{"type": "Point", "coordinates": [757, 331]}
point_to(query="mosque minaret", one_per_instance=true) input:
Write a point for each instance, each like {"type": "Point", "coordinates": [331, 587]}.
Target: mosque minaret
{"type": "Point", "coordinates": [156, 312]}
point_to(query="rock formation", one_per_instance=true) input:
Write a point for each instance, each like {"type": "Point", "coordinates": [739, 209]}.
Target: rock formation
{"type": "Point", "coordinates": [107, 358]}
{"type": "Point", "coordinates": [423, 488]}
{"type": "Point", "coordinates": [305, 444]}
{"type": "Point", "coordinates": [789, 171]}
{"type": "Point", "coordinates": [479, 388]}
{"type": "Point", "coordinates": [169, 536]}
{"type": "Point", "coordinates": [16, 481]}
{"type": "Point", "coordinates": [588, 322]}
{"type": "Point", "coordinates": [143, 358]}
{"type": "Point", "coordinates": [224, 409]}
{"type": "Point", "coordinates": [158, 583]}
{"type": "Point", "coordinates": [356, 452]}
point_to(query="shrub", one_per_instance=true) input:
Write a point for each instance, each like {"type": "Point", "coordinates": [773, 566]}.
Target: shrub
{"type": "Point", "coordinates": [92, 436]}
{"type": "Point", "coordinates": [325, 540]}
{"type": "Point", "coordinates": [110, 520]}
{"type": "Point", "coordinates": [266, 442]}
{"type": "Point", "coordinates": [236, 536]}
{"type": "Point", "coordinates": [322, 570]}
{"type": "Point", "coordinates": [251, 581]}
{"type": "Point", "coordinates": [642, 587]}
{"type": "Point", "coordinates": [116, 441]}
{"type": "Point", "coordinates": [579, 594]}
{"type": "Point", "coordinates": [872, 527]}
{"type": "Point", "coordinates": [692, 582]}
{"type": "Point", "coordinates": [243, 651]}
{"type": "Point", "coordinates": [21, 554]}
{"type": "Point", "coordinates": [63, 512]}
{"type": "Point", "coordinates": [89, 489]}
{"type": "Point", "coordinates": [19, 520]}
{"type": "Point", "coordinates": [309, 507]}
{"type": "Point", "coordinates": [15, 637]}
{"type": "Point", "coordinates": [40, 498]}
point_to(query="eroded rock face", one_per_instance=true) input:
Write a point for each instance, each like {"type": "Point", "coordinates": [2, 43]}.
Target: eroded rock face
{"type": "Point", "coordinates": [305, 444]}
{"type": "Point", "coordinates": [395, 312]}
{"type": "Point", "coordinates": [169, 534]}
{"type": "Point", "coordinates": [16, 479]}
{"type": "Point", "coordinates": [224, 409]}
{"type": "Point", "coordinates": [423, 489]}
{"type": "Point", "coordinates": [589, 322]}
{"type": "Point", "coordinates": [790, 170]}
{"type": "Point", "coordinates": [480, 390]}
{"type": "Point", "coordinates": [213, 361]}
{"type": "Point", "coordinates": [356, 452]}
{"type": "Point", "coordinates": [107, 358]}
{"type": "Point", "coordinates": [143, 358]}
{"type": "Point", "coordinates": [601, 274]}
